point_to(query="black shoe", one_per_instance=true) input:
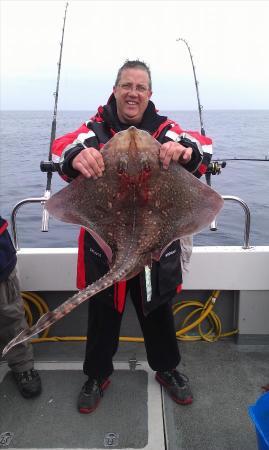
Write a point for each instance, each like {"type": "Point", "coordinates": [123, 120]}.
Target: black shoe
{"type": "Point", "coordinates": [177, 386]}
{"type": "Point", "coordinates": [91, 394]}
{"type": "Point", "coordinates": [28, 382]}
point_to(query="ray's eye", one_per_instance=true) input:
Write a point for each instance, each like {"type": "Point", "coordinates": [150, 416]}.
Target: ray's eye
{"type": "Point", "coordinates": [122, 167]}
{"type": "Point", "coordinates": [146, 166]}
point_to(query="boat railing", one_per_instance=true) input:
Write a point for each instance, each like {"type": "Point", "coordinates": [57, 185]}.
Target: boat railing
{"type": "Point", "coordinates": [213, 225]}
{"type": "Point", "coordinates": [44, 225]}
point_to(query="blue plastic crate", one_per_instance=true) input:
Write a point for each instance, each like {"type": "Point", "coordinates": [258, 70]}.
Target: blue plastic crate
{"type": "Point", "coordinates": [259, 414]}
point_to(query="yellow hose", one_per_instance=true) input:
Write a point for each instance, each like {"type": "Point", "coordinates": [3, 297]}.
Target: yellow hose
{"type": "Point", "coordinates": [204, 310]}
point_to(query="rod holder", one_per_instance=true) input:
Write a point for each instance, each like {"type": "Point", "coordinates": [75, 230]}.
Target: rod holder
{"type": "Point", "coordinates": [45, 214]}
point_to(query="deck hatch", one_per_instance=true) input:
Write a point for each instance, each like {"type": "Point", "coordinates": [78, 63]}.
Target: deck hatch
{"type": "Point", "coordinates": [122, 420]}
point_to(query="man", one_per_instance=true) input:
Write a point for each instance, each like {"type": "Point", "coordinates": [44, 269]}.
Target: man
{"type": "Point", "coordinates": [78, 152]}
{"type": "Point", "coordinates": [12, 319]}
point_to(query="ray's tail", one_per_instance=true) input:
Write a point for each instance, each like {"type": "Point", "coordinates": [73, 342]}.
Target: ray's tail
{"type": "Point", "coordinates": [118, 272]}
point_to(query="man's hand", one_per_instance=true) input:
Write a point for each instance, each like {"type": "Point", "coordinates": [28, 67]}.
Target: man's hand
{"type": "Point", "coordinates": [173, 151]}
{"type": "Point", "coordinates": [89, 162]}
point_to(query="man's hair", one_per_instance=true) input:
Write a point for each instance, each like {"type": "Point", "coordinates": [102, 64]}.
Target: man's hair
{"type": "Point", "coordinates": [136, 64]}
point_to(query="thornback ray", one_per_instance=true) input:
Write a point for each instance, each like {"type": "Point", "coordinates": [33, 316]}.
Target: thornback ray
{"type": "Point", "coordinates": [134, 211]}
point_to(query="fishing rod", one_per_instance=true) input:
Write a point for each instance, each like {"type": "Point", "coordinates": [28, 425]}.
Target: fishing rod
{"type": "Point", "coordinates": [200, 107]}
{"type": "Point", "coordinates": [48, 166]}
{"type": "Point", "coordinates": [214, 167]}
{"type": "Point", "coordinates": [45, 166]}
{"type": "Point", "coordinates": [243, 159]}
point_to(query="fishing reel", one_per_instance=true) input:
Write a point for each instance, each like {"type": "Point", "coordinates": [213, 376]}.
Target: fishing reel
{"type": "Point", "coordinates": [214, 167]}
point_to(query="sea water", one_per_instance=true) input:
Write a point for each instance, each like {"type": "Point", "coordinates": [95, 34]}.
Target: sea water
{"type": "Point", "coordinates": [25, 139]}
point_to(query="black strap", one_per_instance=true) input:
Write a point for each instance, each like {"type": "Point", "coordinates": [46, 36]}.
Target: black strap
{"type": "Point", "coordinates": [102, 132]}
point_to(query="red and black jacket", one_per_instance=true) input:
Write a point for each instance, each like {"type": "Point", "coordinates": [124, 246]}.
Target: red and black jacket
{"type": "Point", "coordinates": [166, 275]}
{"type": "Point", "coordinates": [8, 258]}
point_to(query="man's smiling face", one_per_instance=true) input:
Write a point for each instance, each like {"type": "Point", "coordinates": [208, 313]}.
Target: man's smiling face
{"type": "Point", "coordinates": [132, 95]}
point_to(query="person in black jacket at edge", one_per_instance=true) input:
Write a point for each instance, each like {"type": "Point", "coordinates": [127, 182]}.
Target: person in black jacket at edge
{"type": "Point", "coordinates": [12, 319]}
{"type": "Point", "coordinates": [78, 152]}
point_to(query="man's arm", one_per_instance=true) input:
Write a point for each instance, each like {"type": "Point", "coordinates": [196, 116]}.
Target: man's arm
{"type": "Point", "coordinates": [189, 148]}
{"type": "Point", "coordinates": [77, 152]}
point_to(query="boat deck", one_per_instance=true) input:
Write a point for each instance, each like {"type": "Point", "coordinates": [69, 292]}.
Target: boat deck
{"type": "Point", "coordinates": [135, 413]}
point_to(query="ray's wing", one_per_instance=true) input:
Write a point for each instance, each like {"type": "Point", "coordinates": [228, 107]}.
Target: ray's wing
{"type": "Point", "coordinates": [88, 203]}
{"type": "Point", "coordinates": [185, 204]}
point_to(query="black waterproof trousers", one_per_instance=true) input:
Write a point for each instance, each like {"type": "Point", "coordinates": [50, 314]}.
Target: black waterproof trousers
{"type": "Point", "coordinates": [104, 330]}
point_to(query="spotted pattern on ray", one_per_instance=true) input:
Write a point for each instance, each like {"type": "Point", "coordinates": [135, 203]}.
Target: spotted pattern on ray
{"type": "Point", "coordinates": [134, 211]}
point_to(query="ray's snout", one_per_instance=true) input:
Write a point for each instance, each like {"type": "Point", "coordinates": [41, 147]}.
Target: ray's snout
{"type": "Point", "coordinates": [137, 151]}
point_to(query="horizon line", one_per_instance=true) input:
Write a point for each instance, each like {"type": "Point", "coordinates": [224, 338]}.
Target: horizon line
{"type": "Point", "coordinates": [159, 109]}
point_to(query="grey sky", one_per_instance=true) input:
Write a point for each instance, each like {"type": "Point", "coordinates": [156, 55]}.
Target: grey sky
{"type": "Point", "coordinates": [229, 41]}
